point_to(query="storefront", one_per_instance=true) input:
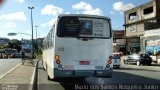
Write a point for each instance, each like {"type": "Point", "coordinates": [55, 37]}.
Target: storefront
{"type": "Point", "coordinates": [119, 41]}
{"type": "Point", "coordinates": [151, 41]}
{"type": "Point", "coordinates": [133, 45]}
{"type": "Point", "coordinates": [153, 46]}
{"type": "Point", "coordinates": [121, 45]}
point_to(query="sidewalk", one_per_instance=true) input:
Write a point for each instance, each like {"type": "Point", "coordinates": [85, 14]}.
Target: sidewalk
{"type": "Point", "coordinates": [21, 78]}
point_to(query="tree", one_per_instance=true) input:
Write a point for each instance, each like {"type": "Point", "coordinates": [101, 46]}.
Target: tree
{"type": "Point", "coordinates": [14, 43]}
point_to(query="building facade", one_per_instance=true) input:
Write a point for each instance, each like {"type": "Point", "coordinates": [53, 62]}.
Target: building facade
{"type": "Point", "coordinates": [139, 22]}
{"type": "Point", "coordinates": [4, 41]}
{"type": "Point", "coordinates": [119, 41]}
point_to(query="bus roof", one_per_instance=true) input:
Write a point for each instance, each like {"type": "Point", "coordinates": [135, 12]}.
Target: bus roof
{"type": "Point", "coordinates": [83, 15]}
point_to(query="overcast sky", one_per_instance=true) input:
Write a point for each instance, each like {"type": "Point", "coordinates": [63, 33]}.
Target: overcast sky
{"type": "Point", "coordinates": [15, 15]}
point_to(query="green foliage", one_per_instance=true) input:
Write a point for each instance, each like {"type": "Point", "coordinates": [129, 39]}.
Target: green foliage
{"type": "Point", "coordinates": [39, 54]}
{"type": "Point", "coordinates": [1, 47]}
{"type": "Point", "coordinates": [16, 44]}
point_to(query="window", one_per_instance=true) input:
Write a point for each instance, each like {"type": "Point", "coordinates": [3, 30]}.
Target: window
{"type": "Point", "coordinates": [68, 27]}
{"type": "Point", "coordinates": [148, 10]}
{"type": "Point", "coordinates": [50, 39]}
{"type": "Point", "coordinates": [47, 41]}
{"type": "Point", "coordinates": [132, 15]}
{"type": "Point", "coordinates": [83, 27]}
{"type": "Point", "coordinates": [45, 44]}
{"type": "Point", "coordinates": [27, 50]}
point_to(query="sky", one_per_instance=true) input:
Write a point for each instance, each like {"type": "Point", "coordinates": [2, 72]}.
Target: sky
{"type": "Point", "coordinates": [16, 17]}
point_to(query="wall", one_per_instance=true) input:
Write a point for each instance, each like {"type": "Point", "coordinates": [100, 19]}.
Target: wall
{"type": "Point", "coordinates": [135, 30]}
{"type": "Point", "coordinates": [139, 11]}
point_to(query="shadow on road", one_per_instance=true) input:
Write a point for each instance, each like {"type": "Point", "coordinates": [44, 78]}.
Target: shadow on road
{"type": "Point", "coordinates": [119, 78]}
{"type": "Point", "coordinates": [94, 83]}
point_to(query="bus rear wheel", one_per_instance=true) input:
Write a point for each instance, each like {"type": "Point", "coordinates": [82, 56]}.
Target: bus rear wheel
{"type": "Point", "coordinates": [43, 65]}
{"type": "Point", "coordinates": [49, 78]}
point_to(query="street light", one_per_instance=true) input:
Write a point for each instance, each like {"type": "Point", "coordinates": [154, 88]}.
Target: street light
{"type": "Point", "coordinates": [32, 29]}
{"type": "Point", "coordinates": [36, 40]}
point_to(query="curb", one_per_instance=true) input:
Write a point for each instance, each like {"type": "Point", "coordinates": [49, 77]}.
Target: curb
{"type": "Point", "coordinates": [38, 88]}
{"type": "Point", "coordinates": [10, 70]}
{"type": "Point", "coordinates": [33, 82]}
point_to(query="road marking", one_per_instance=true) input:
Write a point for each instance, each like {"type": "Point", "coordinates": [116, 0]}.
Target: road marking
{"type": "Point", "coordinates": [10, 70]}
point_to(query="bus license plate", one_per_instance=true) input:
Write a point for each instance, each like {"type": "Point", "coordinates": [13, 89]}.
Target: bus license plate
{"type": "Point", "coordinates": [84, 62]}
{"type": "Point", "coordinates": [68, 67]}
{"type": "Point", "coordinates": [98, 67]}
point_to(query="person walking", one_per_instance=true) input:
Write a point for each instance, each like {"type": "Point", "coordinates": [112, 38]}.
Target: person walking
{"type": "Point", "coordinates": [23, 57]}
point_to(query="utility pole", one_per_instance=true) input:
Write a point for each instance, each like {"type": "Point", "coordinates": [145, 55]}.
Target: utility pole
{"type": "Point", "coordinates": [32, 30]}
{"type": "Point", "coordinates": [36, 31]}
{"type": "Point", "coordinates": [36, 41]}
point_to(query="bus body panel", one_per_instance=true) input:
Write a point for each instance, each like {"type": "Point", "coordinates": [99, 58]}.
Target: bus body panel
{"type": "Point", "coordinates": [74, 51]}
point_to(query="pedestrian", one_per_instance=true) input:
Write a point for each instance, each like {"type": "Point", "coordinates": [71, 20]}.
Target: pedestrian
{"type": "Point", "coordinates": [23, 57]}
{"type": "Point", "coordinates": [155, 52]}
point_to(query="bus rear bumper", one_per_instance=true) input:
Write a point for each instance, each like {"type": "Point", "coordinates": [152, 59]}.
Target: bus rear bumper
{"type": "Point", "coordinates": [83, 73]}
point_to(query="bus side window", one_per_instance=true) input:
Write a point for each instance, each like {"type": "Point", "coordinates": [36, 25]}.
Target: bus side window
{"type": "Point", "coordinates": [52, 36]}
{"type": "Point", "coordinates": [53, 30]}
{"type": "Point", "coordinates": [47, 41]}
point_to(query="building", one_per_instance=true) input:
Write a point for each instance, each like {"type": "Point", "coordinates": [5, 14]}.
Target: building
{"type": "Point", "coordinates": [4, 41]}
{"type": "Point", "coordinates": [119, 41]}
{"type": "Point", "coordinates": [140, 22]}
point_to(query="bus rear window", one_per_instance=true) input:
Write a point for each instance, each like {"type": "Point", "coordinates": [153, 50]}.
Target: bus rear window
{"type": "Point", "coordinates": [68, 27]}
{"type": "Point", "coordinates": [87, 27]}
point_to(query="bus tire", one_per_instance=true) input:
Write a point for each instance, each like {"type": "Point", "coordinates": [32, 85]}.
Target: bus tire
{"type": "Point", "coordinates": [47, 74]}
{"type": "Point", "coordinates": [49, 78]}
{"type": "Point", "coordinates": [43, 65]}
{"type": "Point", "coordinates": [149, 64]}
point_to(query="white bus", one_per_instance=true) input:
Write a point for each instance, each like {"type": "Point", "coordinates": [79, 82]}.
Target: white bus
{"type": "Point", "coordinates": [78, 45]}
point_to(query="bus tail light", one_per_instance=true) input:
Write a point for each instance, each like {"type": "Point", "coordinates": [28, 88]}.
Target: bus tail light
{"type": "Point", "coordinates": [57, 59]}
{"type": "Point", "coordinates": [110, 60]}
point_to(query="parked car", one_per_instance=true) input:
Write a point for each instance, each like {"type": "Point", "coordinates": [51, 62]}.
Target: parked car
{"type": "Point", "coordinates": [116, 60]}
{"type": "Point", "coordinates": [17, 55]}
{"type": "Point", "coordinates": [154, 58]}
{"type": "Point", "coordinates": [138, 59]}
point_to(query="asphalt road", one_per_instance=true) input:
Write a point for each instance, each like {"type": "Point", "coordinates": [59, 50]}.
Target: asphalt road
{"type": "Point", "coordinates": [7, 64]}
{"type": "Point", "coordinates": [141, 77]}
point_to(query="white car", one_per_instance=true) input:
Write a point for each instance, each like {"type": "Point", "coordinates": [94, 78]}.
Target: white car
{"type": "Point", "coordinates": [116, 60]}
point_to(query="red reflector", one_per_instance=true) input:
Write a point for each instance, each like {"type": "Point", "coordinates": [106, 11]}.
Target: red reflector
{"type": "Point", "coordinates": [109, 61]}
{"type": "Point", "coordinates": [58, 61]}
{"type": "Point", "coordinates": [84, 62]}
